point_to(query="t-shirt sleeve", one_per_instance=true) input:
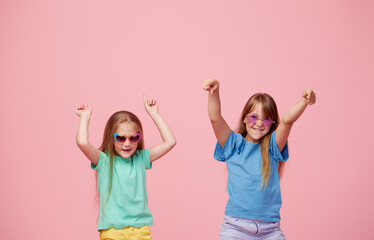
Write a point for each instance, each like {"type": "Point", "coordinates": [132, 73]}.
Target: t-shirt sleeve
{"type": "Point", "coordinates": [103, 158]}
{"type": "Point", "coordinates": [274, 150]}
{"type": "Point", "coordinates": [146, 158]}
{"type": "Point", "coordinates": [232, 144]}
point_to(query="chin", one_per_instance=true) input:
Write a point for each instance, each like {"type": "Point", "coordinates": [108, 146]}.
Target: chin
{"type": "Point", "coordinates": [127, 155]}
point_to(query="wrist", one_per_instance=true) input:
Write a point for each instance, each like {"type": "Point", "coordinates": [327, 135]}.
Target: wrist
{"type": "Point", "coordinates": [304, 101]}
{"type": "Point", "coordinates": [153, 114]}
{"type": "Point", "coordinates": [85, 118]}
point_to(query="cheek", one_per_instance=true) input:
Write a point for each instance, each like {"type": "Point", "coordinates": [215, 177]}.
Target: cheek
{"type": "Point", "coordinates": [249, 126]}
{"type": "Point", "coordinates": [267, 131]}
{"type": "Point", "coordinates": [117, 148]}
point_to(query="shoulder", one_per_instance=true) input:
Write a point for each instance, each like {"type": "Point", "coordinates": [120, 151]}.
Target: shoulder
{"type": "Point", "coordinates": [274, 150]}
{"type": "Point", "coordinates": [143, 156]}
{"type": "Point", "coordinates": [142, 153]}
{"type": "Point", "coordinates": [238, 140]}
{"type": "Point", "coordinates": [103, 160]}
{"type": "Point", "coordinates": [234, 144]}
{"type": "Point", "coordinates": [104, 156]}
{"type": "Point", "coordinates": [234, 140]}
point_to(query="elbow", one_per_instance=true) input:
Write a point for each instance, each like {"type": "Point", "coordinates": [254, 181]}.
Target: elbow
{"type": "Point", "coordinates": [172, 143]}
{"type": "Point", "coordinates": [287, 121]}
{"type": "Point", "coordinates": [81, 143]}
{"type": "Point", "coordinates": [216, 119]}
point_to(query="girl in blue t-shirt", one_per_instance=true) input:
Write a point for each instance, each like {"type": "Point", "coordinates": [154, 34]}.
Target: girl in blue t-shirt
{"type": "Point", "coordinates": [121, 163]}
{"type": "Point", "coordinates": [254, 157]}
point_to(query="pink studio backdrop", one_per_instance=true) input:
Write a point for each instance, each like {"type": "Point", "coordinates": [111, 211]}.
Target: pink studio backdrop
{"type": "Point", "coordinates": [55, 55]}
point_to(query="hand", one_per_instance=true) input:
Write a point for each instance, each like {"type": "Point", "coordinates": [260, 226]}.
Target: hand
{"type": "Point", "coordinates": [84, 110]}
{"type": "Point", "coordinates": [309, 96]}
{"type": "Point", "coordinates": [150, 105]}
{"type": "Point", "coordinates": [210, 85]}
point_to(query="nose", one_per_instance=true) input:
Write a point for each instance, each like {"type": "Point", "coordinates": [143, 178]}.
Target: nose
{"type": "Point", "coordinates": [259, 122]}
{"type": "Point", "coordinates": [127, 142]}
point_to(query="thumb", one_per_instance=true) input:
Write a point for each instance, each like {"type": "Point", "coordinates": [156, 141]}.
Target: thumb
{"type": "Point", "coordinates": [304, 93]}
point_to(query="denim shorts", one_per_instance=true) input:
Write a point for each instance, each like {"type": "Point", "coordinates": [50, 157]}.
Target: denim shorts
{"type": "Point", "coordinates": [234, 228]}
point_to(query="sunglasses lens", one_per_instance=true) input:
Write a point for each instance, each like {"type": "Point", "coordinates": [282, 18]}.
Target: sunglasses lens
{"type": "Point", "coordinates": [120, 139]}
{"type": "Point", "coordinates": [135, 139]}
{"type": "Point", "coordinates": [252, 119]}
{"type": "Point", "coordinates": [267, 122]}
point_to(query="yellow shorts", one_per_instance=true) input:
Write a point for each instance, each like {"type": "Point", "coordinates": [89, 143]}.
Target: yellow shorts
{"type": "Point", "coordinates": [129, 233]}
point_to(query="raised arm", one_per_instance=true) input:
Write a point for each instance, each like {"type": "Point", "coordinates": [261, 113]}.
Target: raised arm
{"type": "Point", "coordinates": [168, 138]}
{"type": "Point", "coordinates": [220, 127]}
{"type": "Point", "coordinates": [285, 125]}
{"type": "Point", "coordinates": [84, 112]}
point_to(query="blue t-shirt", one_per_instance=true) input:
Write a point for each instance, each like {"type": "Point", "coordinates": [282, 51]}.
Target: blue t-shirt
{"type": "Point", "coordinates": [128, 202]}
{"type": "Point", "coordinates": [243, 160]}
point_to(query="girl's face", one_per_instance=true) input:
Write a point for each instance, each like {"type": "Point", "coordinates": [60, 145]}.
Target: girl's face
{"type": "Point", "coordinates": [258, 127]}
{"type": "Point", "coordinates": [127, 148]}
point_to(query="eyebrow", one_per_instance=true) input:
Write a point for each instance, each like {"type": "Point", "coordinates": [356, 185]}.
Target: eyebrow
{"type": "Point", "coordinates": [127, 135]}
{"type": "Point", "coordinates": [258, 116]}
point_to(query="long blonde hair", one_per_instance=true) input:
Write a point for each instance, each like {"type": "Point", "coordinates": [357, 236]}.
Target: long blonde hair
{"type": "Point", "coordinates": [269, 108]}
{"type": "Point", "coordinates": [107, 146]}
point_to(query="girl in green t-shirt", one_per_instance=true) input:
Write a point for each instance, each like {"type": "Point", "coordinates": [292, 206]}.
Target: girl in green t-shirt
{"type": "Point", "coordinates": [121, 162]}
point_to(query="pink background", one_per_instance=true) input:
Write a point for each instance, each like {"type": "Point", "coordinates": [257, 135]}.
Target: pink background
{"type": "Point", "coordinates": [55, 55]}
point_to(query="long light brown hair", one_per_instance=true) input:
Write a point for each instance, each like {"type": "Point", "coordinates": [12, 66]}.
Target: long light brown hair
{"type": "Point", "coordinates": [269, 108]}
{"type": "Point", "coordinates": [107, 146]}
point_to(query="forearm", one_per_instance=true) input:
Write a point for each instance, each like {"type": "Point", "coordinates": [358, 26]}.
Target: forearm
{"type": "Point", "coordinates": [214, 106]}
{"type": "Point", "coordinates": [220, 127]}
{"type": "Point", "coordinates": [295, 112]}
{"type": "Point", "coordinates": [166, 133]}
{"type": "Point", "coordinates": [82, 133]}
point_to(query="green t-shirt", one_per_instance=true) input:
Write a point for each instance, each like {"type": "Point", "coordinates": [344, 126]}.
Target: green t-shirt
{"type": "Point", "coordinates": [128, 202]}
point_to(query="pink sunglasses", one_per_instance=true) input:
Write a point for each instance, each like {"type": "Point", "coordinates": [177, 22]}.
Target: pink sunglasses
{"type": "Point", "coordinates": [252, 118]}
